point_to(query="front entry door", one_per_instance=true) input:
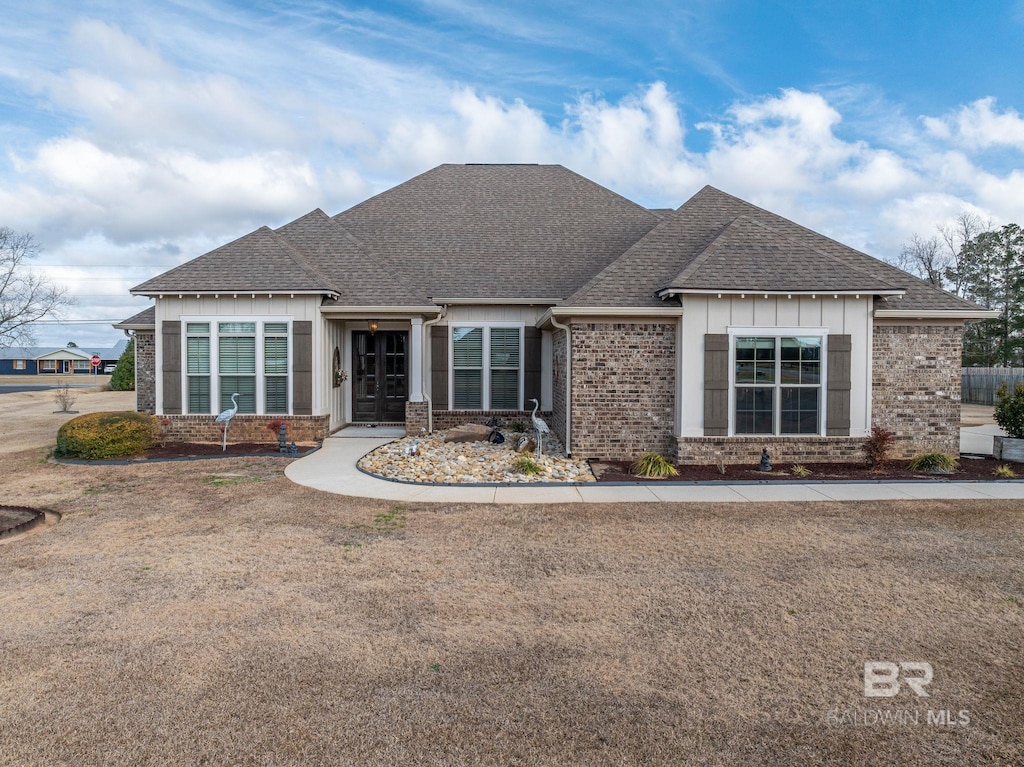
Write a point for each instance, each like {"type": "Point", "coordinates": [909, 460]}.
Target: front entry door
{"type": "Point", "coordinates": [379, 386]}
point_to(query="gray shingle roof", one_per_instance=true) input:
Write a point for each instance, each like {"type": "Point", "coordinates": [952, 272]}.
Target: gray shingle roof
{"type": "Point", "coordinates": [818, 263]}
{"type": "Point", "coordinates": [749, 255]}
{"type": "Point", "coordinates": [145, 317]}
{"type": "Point", "coordinates": [259, 261]}
{"type": "Point", "coordinates": [497, 231]}
{"type": "Point", "coordinates": [502, 232]}
{"type": "Point", "coordinates": [357, 277]}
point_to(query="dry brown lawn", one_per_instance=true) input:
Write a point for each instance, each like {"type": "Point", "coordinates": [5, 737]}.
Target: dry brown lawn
{"type": "Point", "coordinates": [214, 613]}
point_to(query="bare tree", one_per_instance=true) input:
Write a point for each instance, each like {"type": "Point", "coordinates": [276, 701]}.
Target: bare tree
{"type": "Point", "coordinates": [25, 295]}
{"type": "Point", "coordinates": [925, 259]}
{"type": "Point", "coordinates": [956, 236]}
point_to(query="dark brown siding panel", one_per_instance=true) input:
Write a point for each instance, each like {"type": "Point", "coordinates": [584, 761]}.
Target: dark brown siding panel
{"type": "Point", "coordinates": [439, 367]}
{"type": "Point", "coordinates": [837, 414]}
{"type": "Point", "coordinates": [531, 364]}
{"type": "Point", "coordinates": [170, 365]}
{"type": "Point", "coordinates": [716, 384]}
{"type": "Point", "coordinates": [302, 368]}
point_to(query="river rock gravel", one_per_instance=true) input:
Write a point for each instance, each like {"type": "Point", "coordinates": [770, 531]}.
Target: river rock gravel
{"type": "Point", "coordinates": [467, 463]}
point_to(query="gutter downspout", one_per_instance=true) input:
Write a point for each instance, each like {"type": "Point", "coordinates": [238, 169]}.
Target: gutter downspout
{"type": "Point", "coordinates": [568, 383]}
{"type": "Point", "coordinates": [423, 370]}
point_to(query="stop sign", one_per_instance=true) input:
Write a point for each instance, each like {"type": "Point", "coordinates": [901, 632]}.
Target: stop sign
{"type": "Point", "coordinates": [95, 360]}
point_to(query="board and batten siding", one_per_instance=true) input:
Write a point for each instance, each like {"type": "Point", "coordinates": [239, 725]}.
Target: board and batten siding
{"type": "Point", "coordinates": [702, 315]}
{"type": "Point", "coordinates": [298, 309]}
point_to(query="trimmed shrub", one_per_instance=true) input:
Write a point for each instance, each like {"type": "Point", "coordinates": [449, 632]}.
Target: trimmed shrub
{"type": "Point", "coordinates": [106, 435]}
{"type": "Point", "coordinates": [1009, 412]}
{"type": "Point", "coordinates": [876, 447]}
{"type": "Point", "coordinates": [653, 465]}
{"type": "Point", "coordinates": [525, 465]}
{"type": "Point", "coordinates": [123, 377]}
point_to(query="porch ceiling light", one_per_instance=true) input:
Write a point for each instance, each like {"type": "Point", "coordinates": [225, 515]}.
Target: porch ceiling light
{"type": "Point", "coordinates": [373, 325]}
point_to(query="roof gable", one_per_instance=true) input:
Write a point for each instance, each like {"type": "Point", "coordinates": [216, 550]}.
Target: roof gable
{"type": "Point", "coordinates": [257, 262]}
{"type": "Point", "coordinates": [749, 255]}
{"type": "Point", "coordinates": [668, 252]}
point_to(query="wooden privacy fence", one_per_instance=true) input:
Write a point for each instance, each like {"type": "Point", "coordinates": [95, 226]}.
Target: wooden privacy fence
{"type": "Point", "coordinates": [978, 386]}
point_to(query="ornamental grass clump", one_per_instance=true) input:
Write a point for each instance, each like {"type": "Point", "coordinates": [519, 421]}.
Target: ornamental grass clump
{"type": "Point", "coordinates": [106, 435]}
{"type": "Point", "coordinates": [1009, 412]}
{"type": "Point", "coordinates": [653, 465]}
{"type": "Point", "coordinates": [933, 463]}
{"type": "Point", "coordinates": [525, 465]}
{"type": "Point", "coordinates": [1004, 472]}
{"type": "Point", "coordinates": [801, 471]}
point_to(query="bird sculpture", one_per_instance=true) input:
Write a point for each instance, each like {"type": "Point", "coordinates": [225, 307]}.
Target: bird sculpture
{"type": "Point", "coordinates": [225, 418]}
{"type": "Point", "coordinates": [539, 426]}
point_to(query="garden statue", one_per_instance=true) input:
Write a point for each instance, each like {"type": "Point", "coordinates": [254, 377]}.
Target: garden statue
{"type": "Point", "coordinates": [766, 464]}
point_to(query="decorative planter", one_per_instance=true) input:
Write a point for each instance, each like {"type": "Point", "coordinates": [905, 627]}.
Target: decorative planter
{"type": "Point", "coordinates": [1008, 449]}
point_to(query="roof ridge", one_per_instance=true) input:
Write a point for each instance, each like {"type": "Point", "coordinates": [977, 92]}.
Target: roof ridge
{"type": "Point", "coordinates": [299, 256]}
{"type": "Point", "coordinates": [705, 253]}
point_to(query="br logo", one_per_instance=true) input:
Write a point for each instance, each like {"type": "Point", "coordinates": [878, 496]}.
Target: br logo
{"type": "Point", "coordinates": [882, 678]}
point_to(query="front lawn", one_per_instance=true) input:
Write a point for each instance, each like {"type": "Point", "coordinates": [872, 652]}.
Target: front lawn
{"type": "Point", "coordinates": [175, 617]}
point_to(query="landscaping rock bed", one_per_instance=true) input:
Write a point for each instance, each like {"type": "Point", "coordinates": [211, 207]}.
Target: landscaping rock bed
{"type": "Point", "coordinates": [468, 463]}
{"type": "Point", "coordinates": [19, 519]}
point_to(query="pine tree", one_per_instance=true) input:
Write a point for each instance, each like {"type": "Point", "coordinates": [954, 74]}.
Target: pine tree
{"type": "Point", "coordinates": [123, 377]}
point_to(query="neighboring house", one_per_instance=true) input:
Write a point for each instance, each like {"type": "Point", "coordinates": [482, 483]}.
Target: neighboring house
{"type": "Point", "coordinates": [68, 360]}
{"type": "Point", "coordinates": [703, 332]}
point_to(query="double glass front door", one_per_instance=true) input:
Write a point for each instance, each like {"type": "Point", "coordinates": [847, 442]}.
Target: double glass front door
{"type": "Point", "coordinates": [379, 385]}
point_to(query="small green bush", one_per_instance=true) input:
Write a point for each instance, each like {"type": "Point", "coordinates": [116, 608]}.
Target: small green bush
{"type": "Point", "coordinates": [106, 435]}
{"type": "Point", "coordinates": [934, 463]}
{"type": "Point", "coordinates": [123, 377]}
{"type": "Point", "coordinates": [1009, 413]}
{"type": "Point", "coordinates": [525, 465]}
{"type": "Point", "coordinates": [653, 465]}
{"type": "Point", "coordinates": [1004, 472]}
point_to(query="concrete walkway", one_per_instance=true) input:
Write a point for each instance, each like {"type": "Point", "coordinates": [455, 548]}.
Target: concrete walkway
{"type": "Point", "coordinates": [333, 470]}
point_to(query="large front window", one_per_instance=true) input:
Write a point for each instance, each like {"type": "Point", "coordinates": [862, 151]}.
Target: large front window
{"type": "Point", "coordinates": [248, 358]}
{"type": "Point", "coordinates": [486, 368]}
{"type": "Point", "coordinates": [777, 383]}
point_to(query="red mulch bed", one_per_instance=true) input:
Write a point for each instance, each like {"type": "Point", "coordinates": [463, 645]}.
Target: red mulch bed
{"type": "Point", "coordinates": [197, 449]}
{"type": "Point", "coordinates": [970, 469]}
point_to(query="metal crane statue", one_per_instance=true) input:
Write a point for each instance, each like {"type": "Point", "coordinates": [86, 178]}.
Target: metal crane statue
{"type": "Point", "coordinates": [225, 418]}
{"type": "Point", "coordinates": [540, 427]}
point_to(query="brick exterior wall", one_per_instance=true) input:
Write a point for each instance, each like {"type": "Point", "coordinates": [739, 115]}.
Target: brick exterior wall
{"type": "Point", "coordinates": [415, 417]}
{"type": "Point", "coordinates": [915, 389]}
{"type": "Point", "coordinates": [145, 372]}
{"type": "Point", "coordinates": [704, 451]}
{"type": "Point", "coordinates": [558, 348]}
{"type": "Point", "coordinates": [244, 428]}
{"type": "Point", "coordinates": [623, 389]}
{"type": "Point", "coordinates": [446, 419]}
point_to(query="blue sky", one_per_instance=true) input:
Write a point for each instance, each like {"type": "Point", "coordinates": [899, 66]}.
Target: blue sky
{"type": "Point", "coordinates": [137, 135]}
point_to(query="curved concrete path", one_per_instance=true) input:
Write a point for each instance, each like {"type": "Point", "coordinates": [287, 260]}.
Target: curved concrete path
{"type": "Point", "coordinates": [332, 469]}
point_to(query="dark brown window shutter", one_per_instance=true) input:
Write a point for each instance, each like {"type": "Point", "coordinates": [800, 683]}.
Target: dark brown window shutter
{"type": "Point", "coordinates": [716, 384]}
{"type": "Point", "coordinates": [837, 415]}
{"type": "Point", "coordinates": [439, 367]}
{"type": "Point", "coordinates": [531, 365]}
{"type": "Point", "coordinates": [302, 368]}
{"type": "Point", "coordinates": [171, 365]}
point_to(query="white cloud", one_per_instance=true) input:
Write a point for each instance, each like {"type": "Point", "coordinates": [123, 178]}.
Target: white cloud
{"type": "Point", "coordinates": [978, 126]}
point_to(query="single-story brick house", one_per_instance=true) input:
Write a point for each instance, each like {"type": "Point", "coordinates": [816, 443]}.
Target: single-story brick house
{"type": "Point", "coordinates": [710, 330]}
{"type": "Point", "coordinates": [64, 360]}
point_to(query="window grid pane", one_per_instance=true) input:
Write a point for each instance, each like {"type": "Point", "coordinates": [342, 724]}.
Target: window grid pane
{"type": "Point", "coordinates": [754, 410]}
{"type": "Point", "coordinates": [504, 389]}
{"type": "Point", "coordinates": [199, 394]}
{"type": "Point", "coordinates": [777, 380]}
{"type": "Point", "coordinates": [237, 354]}
{"type": "Point", "coordinates": [277, 394]}
{"type": "Point", "coordinates": [468, 347]}
{"type": "Point", "coordinates": [468, 385]}
{"type": "Point", "coordinates": [505, 348]}
{"type": "Point", "coordinates": [275, 355]}
{"type": "Point", "coordinates": [799, 410]}
{"type": "Point", "coordinates": [245, 386]}
{"type": "Point", "coordinates": [197, 355]}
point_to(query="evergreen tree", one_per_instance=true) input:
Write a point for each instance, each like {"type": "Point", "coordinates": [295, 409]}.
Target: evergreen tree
{"type": "Point", "coordinates": [123, 377]}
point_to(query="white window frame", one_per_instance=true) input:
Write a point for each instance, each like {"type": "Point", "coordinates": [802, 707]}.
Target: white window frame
{"type": "Point", "coordinates": [215, 375]}
{"type": "Point", "coordinates": [778, 333]}
{"type": "Point", "coordinates": [485, 395]}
